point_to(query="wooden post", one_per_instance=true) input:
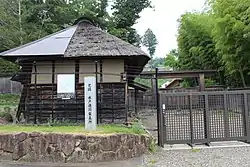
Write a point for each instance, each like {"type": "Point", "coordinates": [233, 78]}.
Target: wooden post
{"type": "Point", "coordinates": [35, 114]}
{"type": "Point", "coordinates": [201, 82]}
{"type": "Point", "coordinates": [126, 96]}
{"type": "Point", "coordinates": [136, 112]}
{"type": "Point", "coordinates": [53, 82]}
{"type": "Point", "coordinates": [97, 87]}
{"type": "Point", "coordinates": [77, 85]}
{"type": "Point", "coordinates": [159, 111]}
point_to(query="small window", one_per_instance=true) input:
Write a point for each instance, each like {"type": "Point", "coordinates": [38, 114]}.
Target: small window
{"type": "Point", "coordinates": [65, 86]}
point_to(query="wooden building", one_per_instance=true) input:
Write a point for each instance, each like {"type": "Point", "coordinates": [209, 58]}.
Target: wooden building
{"type": "Point", "coordinates": [78, 51]}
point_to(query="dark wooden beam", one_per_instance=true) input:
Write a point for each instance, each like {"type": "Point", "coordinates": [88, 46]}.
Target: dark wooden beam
{"type": "Point", "coordinates": [179, 74]}
{"type": "Point", "coordinates": [101, 73]}
{"type": "Point", "coordinates": [202, 82]}
{"type": "Point", "coordinates": [53, 82]}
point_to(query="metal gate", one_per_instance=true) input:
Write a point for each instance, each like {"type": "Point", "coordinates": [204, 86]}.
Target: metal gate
{"type": "Point", "coordinates": [204, 117]}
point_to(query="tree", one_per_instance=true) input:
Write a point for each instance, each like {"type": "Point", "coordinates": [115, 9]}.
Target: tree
{"type": "Point", "coordinates": [149, 40]}
{"type": "Point", "coordinates": [232, 36]}
{"type": "Point", "coordinates": [196, 46]}
{"type": "Point", "coordinates": [125, 15]}
{"type": "Point", "coordinates": [23, 21]}
{"type": "Point", "coordinates": [171, 60]}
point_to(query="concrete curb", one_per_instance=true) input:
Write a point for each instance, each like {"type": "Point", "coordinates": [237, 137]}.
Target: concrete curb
{"type": "Point", "coordinates": [213, 145]}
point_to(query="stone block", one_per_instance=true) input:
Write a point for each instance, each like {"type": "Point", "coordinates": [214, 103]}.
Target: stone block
{"type": "Point", "coordinates": [78, 156]}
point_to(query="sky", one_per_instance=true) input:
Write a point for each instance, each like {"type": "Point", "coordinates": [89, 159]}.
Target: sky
{"type": "Point", "coordinates": [163, 21]}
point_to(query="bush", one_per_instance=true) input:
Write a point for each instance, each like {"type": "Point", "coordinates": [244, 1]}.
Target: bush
{"type": "Point", "coordinates": [6, 114]}
{"type": "Point", "coordinates": [138, 128]}
{"type": "Point", "coordinates": [7, 68]}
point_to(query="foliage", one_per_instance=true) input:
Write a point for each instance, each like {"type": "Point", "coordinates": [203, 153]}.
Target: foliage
{"type": "Point", "coordinates": [171, 61]}
{"type": "Point", "coordinates": [217, 38]}
{"type": "Point", "coordinates": [185, 84]}
{"type": "Point", "coordinates": [149, 40]}
{"type": "Point", "coordinates": [157, 62]}
{"type": "Point", "coordinates": [138, 128]}
{"type": "Point", "coordinates": [6, 115]}
{"type": "Point", "coordinates": [7, 68]}
{"type": "Point", "coordinates": [9, 99]}
{"type": "Point", "coordinates": [125, 15]}
{"type": "Point", "coordinates": [196, 46]}
{"type": "Point", "coordinates": [146, 82]}
{"type": "Point", "coordinates": [63, 122]}
{"type": "Point", "coordinates": [152, 145]}
{"type": "Point", "coordinates": [210, 82]}
{"type": "Point", "coordinates": [232, 36]}
{"type": "Point", "coordinates": [23, 21]}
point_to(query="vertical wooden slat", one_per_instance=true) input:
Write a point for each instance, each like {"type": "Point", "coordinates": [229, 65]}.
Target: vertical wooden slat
{"type": "Point", "coordinates": [206, 120]}
{"type": "Point", "coordinates": [101, 71]}
{"type": "Point", "coordinates": [136, 92]}
{"type": "Point", "coordinates": [97, 88]}
{"type": "Point", "coordinates": [191, 119]}
{"type": "Point", "coordinates": [246, 118]}
{"type": "Point", "coordinates": [113, 113]}
{"type": "Point", "coordinates": [53, 83]}
{"type": "Point", "coordinates": [126, 97]}
{"type": "Point", "coordinates": [76, 86]}
{"type": "Point", "coordinates": [35, 114]}
{"type": "Point", "coordinates": [225, 116]}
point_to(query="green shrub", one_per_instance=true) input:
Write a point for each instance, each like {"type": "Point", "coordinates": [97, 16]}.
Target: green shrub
{"type": "Point", "coordinates": [6, 114]}
{"type": "Point", "coordinates": [138, 128]}
{"type": "Point", "coordinates": [152, 145]}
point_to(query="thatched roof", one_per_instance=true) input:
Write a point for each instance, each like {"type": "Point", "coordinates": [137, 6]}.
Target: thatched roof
{"type": "Point", "coordinates": [82, 40]}
{"type": "Point", "coordinates": [90, 40]}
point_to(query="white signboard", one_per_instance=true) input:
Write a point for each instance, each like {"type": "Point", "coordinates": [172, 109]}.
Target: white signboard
{"type": "Point", "coordinates": [163, 106]}
{"type": "Point", "coordinates": [65, 86]}
{"type": "Point", "coordinates": [90, 103]}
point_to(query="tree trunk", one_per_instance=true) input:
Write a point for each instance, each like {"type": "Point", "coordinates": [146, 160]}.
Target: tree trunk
{"type": "Point", "coordinates": [242, 78]}
{"type": "Point", "coordinates": [20, 21]}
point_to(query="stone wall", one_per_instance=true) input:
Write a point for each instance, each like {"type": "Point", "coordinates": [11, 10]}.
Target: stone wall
{"type": "Point", "coordinates": [69, 148]}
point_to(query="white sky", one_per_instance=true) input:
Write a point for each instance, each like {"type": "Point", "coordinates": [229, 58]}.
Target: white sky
{"type": "Point", "coordinates": [163, 21]}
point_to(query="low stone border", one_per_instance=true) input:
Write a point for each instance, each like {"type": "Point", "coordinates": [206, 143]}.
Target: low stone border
{"type": "Point", "coordinates": [71, 148]}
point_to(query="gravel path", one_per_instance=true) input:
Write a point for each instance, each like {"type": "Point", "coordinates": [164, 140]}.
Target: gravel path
{"type": "Point", "coordinates": [222, 157]}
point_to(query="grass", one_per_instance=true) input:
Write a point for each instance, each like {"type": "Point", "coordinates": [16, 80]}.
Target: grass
{"type": "Point", "coordinates": [79, 129]}
{"type": "Point", "coordinates": [9, 99]}
{"type": "Point", "coordinates": [196, 150]}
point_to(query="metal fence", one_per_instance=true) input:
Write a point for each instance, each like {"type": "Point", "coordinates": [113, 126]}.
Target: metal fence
{"type": "Point", "coordinates": [203, 117]}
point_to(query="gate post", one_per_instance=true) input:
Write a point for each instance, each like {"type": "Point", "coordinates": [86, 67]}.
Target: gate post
{"type": "Point", "coordinates": [206, 121]}
{"type": "Point", "coordinates": [159, 112]}
{"type": "Point", "coordinates": [246, 117]}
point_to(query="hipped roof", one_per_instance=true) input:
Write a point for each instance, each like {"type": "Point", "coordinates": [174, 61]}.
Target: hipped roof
{"type": "Point", "coordinates": [81, 40]}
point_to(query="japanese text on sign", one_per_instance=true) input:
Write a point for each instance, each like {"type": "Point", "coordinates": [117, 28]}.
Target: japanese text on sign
{"type": "Point", "coordinates": [90, 103]}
